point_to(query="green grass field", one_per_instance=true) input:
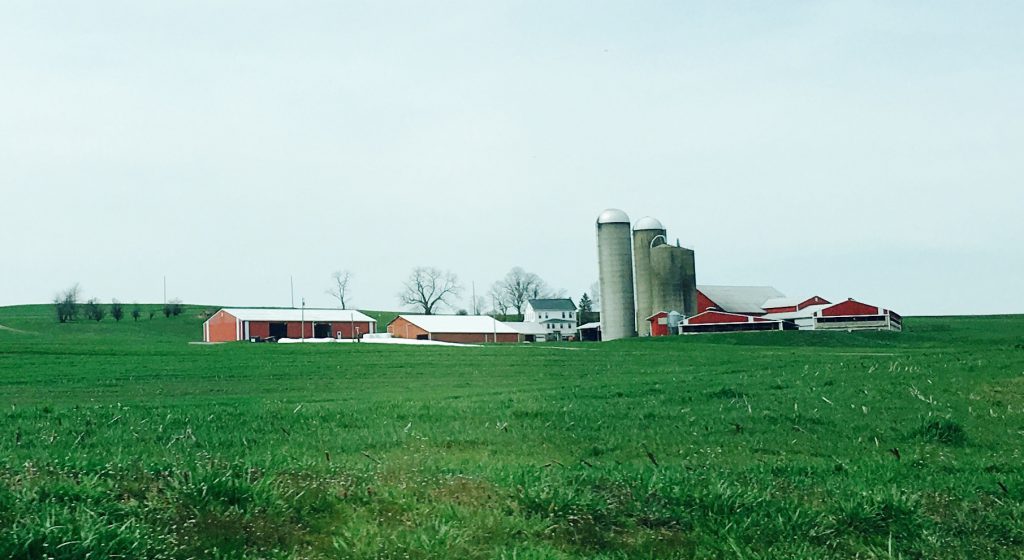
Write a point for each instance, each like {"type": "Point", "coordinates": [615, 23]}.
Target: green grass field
{"type": "Point", "coordinates": [122, 440]}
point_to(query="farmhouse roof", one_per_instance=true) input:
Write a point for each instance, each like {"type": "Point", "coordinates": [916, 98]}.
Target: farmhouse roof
{"type": "Point", "coordinates": [459, 324]}
{"type": "Point", "coordinates": [289, 315]}
{"type": "Point", "coordinates": [740, 299]}
{"type": "Point", "coordinates": [553, 304]}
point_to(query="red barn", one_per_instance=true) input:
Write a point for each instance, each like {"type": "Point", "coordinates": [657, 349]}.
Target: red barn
{"type": "Point", "coordinates": [854, 315]}
{"type": "Point", "coordinates": [665, 323]}
{"type": "Point", "coordinates": [463, 329]}
{"type": "Point", "coordinates": [228, 325]}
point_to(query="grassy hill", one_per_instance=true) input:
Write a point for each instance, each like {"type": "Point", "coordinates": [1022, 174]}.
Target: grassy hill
{"type": "Point", "coordinates": [122, 439]}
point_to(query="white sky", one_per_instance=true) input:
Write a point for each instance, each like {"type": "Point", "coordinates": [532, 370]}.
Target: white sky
{"type": "Point", "coordinates": [848, 149]}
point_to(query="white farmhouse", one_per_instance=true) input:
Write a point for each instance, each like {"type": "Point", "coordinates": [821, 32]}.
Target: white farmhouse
{"type": "Point", "coordinates": [558, 316]}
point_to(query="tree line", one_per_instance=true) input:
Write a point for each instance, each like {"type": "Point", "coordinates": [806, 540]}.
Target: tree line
{"type": "Point", "coordinates": [69, 307]}
{"type": "Point", "coordinates": [429, 290]}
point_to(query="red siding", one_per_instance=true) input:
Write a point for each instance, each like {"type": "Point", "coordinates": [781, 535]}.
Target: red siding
{"type": "Point", "coordinates": [658, 329]}
{"type": "Point", "coordinates": [297, 329]}
{"type": "Point", "coordinates": [850, 307]}
{"type": "Point", "coordinates": [346, 328]}
{"type": "Point", "coordinates": [816, 300]}
{"type": "Point", "coordinates": [222, 327]}
{"type": "Point", "coordinates": [782, 309]}
{"type": "Point", "coordinates": [262, 329]}
{"type": "Point", "coordinates": [474, 338]}
{"type": "Point", "coordinates": [703, 303]}
{"type": "Point", "coordinates": [259, 328]}
{"type": "Point", "coordinates": [401, 328]}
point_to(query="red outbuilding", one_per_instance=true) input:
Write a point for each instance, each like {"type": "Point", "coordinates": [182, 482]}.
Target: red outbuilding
{"type": "Point", "coordinates": [854, 315]}
{"type": "Point", "coordinates": [228, 325]}
{"type": "Point", "coordinates": [461, 329]}
{"type": "Point", "coordinates": [664, 323]}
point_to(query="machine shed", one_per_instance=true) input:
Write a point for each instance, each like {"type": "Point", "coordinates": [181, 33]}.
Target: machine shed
{"type": "Point", "coordinates": [228, 325]}
{"type": "Point", "coordinates": [462, 329]}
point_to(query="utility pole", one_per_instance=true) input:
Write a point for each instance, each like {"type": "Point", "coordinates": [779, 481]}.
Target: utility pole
{"type": "Point", "coordinates": [475, 310]}
{"type": "Point", "coordinates": [165, 289]}
{"type": "Point", "coordinates": [291, 280]}
{"type": "Point", "coordinates": [302, 321]}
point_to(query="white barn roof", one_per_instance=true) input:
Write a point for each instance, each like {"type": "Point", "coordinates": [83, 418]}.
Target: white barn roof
{"type": "Point", "coordinates": [459, 324]}
{"type": "Point", "coordinates": [783, 302]}
{"type": "Point", "coordinates": [740, 299]}
{"type": "Point", "coordinates": [291, 315]}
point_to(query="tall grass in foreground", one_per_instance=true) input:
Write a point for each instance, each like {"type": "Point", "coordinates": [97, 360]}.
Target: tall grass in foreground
{"type": "Point", "coordinates": [120, 440]}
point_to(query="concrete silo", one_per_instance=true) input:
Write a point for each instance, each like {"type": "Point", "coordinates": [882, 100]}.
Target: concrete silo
{"type": "Point", "coordinates": [646, 232]}
{"type": "Point", "coordinates": [674, 280]}
{"type": "Point", "coordinates": [615, 264]}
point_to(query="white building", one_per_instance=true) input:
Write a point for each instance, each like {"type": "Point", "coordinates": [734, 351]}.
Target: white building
{"type": "Point", "coordinates": [558, 316]}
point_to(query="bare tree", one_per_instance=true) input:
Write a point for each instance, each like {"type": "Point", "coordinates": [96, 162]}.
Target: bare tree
{"type": "Point", "coordinates": [520, 286]}
{"type": "Point", "coordinates": [499, 303]}
{"type": "Point", "coordinates": [339, 290]}
{"type": "Point", "coordinates": [116, 310]}
{"type": "Point", "coordinates": [136, 311]}
{"type": "Point", "coordinates": [66, 304]}
{"type": "Point", "coordinates": [428, 287]}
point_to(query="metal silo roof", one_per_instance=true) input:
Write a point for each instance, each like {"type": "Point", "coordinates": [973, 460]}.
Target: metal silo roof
{"type": "Point", "coordinates": [613, 216]}
{"type": "Point", "coordinates": [647, 222]}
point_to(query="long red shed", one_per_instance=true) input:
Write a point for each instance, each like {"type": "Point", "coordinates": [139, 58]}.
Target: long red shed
{"type": "Point", "coordinates": [228, 325]}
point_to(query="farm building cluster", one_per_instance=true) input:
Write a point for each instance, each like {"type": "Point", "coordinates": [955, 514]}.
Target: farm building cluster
{"type": "Point", "coordinates": [545, 319]}
{"type": "Point", "coordinates": [647, 288]}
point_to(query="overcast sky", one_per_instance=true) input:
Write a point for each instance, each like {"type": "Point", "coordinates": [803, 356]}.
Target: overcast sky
{"type": "Point", "coordinates": [847, 149]}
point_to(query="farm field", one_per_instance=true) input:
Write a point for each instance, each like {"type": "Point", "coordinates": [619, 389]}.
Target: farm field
{"type": "Point", "coordinates": [123, 440]}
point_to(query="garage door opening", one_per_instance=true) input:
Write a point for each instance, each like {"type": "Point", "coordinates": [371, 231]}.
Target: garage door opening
{"type": "Point", "coordinates": [278, 330]}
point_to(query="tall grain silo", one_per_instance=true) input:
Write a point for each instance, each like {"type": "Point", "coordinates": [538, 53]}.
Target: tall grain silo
{"type": "Point", "coordinates": [615, 264]}
{"type": "Point", "coordinates": [646, 232]}
{"type": "Point", "coordinates": [674, 282]}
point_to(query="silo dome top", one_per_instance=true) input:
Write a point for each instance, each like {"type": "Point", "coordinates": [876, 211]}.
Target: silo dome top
{"type": "Point", "coordinates": [647, 223]}
{"type": "Point", "coordinates": [613, 216]}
